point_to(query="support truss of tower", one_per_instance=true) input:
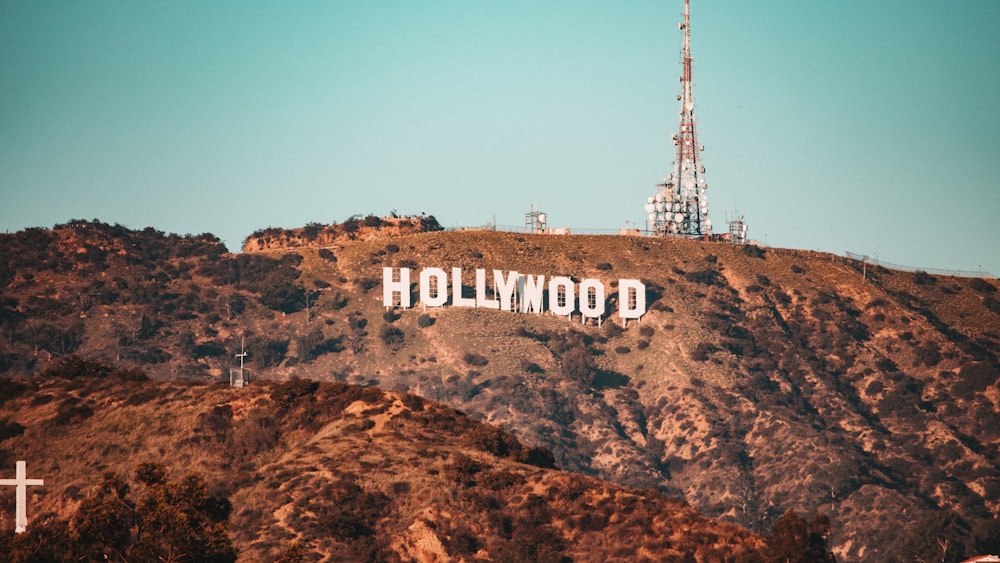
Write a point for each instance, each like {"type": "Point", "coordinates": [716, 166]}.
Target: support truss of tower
{"type": "Point", "coordinates": [679, 206]}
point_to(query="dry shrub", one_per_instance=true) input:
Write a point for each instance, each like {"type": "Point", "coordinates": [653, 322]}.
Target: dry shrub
{"type": "Point", "coordinates": [527, 366]}
{"type": "Point", "coordinates": [982, 285]}
{"type": "Point", "coordinates": [974, 378]}
{"type": "Point", "coordinates": [702, 351]}
{"type": "Point", "coordinates": [463, 470]}
{"type": "Point", "coordinates": [71, 412]}
{"type": "Point", "coordinates": [392, 337]}
{"type": "Point", "coordinates": [473, 359]}
{"type": "Point", "coordinates": [368, 283]}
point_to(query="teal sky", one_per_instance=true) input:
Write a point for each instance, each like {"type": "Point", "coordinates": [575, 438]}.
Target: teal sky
{"type": "Point", "coordinates": [872, 127]}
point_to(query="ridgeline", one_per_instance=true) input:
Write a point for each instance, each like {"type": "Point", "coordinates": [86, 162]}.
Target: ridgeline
{"type": "Point", "coordinates": [760, 382]}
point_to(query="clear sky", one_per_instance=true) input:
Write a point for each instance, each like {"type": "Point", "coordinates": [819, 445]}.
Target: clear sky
{"type": "Point", "coordinates": [868, 126]}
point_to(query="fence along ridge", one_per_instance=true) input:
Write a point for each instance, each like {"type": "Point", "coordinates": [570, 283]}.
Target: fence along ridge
{"type": "Point", "coordinates": [904, 268]}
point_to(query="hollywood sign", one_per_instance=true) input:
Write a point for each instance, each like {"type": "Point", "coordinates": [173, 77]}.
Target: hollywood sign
{"type": "Point", "coordinates": [515, 292]}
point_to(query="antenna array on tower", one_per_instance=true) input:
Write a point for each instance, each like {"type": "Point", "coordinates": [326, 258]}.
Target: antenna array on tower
{"type": "Point", "coordinates": [679, 206]}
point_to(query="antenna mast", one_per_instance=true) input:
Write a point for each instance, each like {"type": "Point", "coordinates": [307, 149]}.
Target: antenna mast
{"type": "Point", "coordinates": [679, 207]}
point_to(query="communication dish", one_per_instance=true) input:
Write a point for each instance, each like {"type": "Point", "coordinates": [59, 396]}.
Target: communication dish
{"type": "Point", "coordinates": [659, 197]}
{"type": "Point", "coordinates": [678, 217]}
{"type": "Point", "coordinates": [541, 218]}
{"type": "Point", "coordinates": [652, 217]}
{"type": "Point", "coordinates": [708, 223]}
{"type": "Point", "coordinates": [650, 207]}
{"type": "Point", "coordinates": [650, 199]}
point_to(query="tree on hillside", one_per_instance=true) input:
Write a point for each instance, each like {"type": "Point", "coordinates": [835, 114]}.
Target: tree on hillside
{"type": "Point", "coordinates": [794, 540]}
{"type": "Point", "coordinates": [937, 536]}
{"type": "Point", "coordinates": [356, 334]}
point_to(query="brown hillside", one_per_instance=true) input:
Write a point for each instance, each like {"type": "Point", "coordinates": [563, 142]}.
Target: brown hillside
{"type": "Point", "coordinates": [349, 474]}
{"type": "Point", "coordinates": [760, 381]}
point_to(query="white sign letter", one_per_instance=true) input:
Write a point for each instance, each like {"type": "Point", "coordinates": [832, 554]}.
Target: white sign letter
{"type": "Point", "coordinates": [631, 299]}
{"type": "Point", "coordinates": [592, 298]}
{"type": "Point", "coordinates": [562, 301]}
{"type": "Point", "coordinates": [505, 289]}
{"type": "Point", "coordinates": [532, 290]}
{"type": "Point", "coordinates": [457, 299]}
{"type": "Point", "coordinates": [481, 299]}
{"type": "Point", "coordinates": [433, 287]}
{"type": "Point", "coordinates": [389, 287]}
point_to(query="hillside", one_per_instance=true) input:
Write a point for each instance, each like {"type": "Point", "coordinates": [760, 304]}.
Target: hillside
{"type": "Point", "coordinates": [760, 381]}
{"type": "Point", "coordinates": [346, 473]}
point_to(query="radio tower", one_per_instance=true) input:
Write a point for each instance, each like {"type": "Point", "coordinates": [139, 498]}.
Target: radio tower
{"type": "Point", "coordinates": [679, 207]}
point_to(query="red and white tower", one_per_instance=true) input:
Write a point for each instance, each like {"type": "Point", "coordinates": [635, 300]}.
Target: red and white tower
{"type": "Point", "coordinates": [679, 207]}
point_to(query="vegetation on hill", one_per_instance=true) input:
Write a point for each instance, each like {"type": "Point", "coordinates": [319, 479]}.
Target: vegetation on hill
{"type": "Point", "coordinates": [761, 381]}
{"type": "Point", "coordinates": [161, 521]}
{"type": "Point", "coordinates": [354, 228]}
{"type": "Point", "coordinates": [321, 471]}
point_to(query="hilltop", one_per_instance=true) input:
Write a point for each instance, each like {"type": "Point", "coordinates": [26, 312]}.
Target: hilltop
{"type": "Point", "coordinates": [760, 381]}
{"type": "Point", "coordinates": [355, 228]}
